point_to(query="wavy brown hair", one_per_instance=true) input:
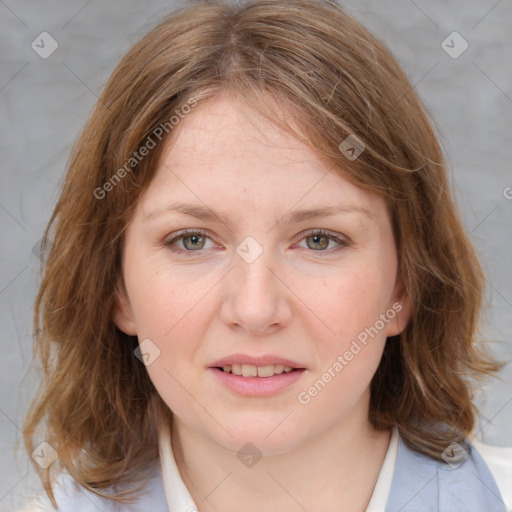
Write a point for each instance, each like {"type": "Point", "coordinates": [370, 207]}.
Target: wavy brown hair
{"type": "Point", "coordinates": [332, 79]}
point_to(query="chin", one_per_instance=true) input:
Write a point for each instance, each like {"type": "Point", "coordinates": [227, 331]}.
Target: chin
{"type": "Point", "coordinates": [271, 435]}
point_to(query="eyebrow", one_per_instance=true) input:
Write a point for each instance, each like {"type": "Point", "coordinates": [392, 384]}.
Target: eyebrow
{"type": "Point", "coordinates": [206, 214]}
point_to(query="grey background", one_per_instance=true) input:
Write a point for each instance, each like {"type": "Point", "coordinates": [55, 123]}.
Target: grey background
{"type": "Point", "coordinates": [45, 102]}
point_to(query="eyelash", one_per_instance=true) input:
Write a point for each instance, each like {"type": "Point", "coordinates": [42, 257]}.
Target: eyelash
{"type": "Point", "coordinates": [343, 243]}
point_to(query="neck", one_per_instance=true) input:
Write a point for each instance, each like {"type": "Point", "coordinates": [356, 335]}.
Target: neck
{"type": "Point", "coordinates": [335, 470]}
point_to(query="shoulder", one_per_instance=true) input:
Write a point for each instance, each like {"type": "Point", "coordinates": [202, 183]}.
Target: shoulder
{"type": "Point", "coordinates": [461, 481]}
{"type": "Point", "coordinates": [72, 497]}
{"type": "Point", "coordinates": [499, 461]}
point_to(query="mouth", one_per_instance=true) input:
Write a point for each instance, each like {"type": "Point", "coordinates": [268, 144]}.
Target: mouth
{"type": "Point", "coordinates": [260, 376]}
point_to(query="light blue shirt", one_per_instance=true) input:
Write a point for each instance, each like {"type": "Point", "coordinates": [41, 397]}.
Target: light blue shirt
{"type": "Point", "coordinates": [422, 484]}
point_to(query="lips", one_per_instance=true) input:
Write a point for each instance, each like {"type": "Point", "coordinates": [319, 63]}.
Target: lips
{"type": "Point", "coordinates": [256, 376]}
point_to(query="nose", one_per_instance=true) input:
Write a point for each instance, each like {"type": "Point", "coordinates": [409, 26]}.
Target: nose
{"type": "Point", "coordinates": [256, 298]}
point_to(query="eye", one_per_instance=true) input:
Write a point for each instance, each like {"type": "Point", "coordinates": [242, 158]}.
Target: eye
{"type": "Point", "coordinates": [193, 241]}
{"type": "Point", "coordinates": [319, 240]}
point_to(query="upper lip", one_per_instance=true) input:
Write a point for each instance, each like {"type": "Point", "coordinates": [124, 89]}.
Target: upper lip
{"type": "Point", "coordinates": [264, 360]}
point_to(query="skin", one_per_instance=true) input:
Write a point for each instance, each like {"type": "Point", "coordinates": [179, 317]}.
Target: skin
{"type": "Point", "coordinates": [295, 300]}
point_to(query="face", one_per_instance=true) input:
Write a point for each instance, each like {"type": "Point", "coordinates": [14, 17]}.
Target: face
{"type": "Point", "coordinates": [231, 267]}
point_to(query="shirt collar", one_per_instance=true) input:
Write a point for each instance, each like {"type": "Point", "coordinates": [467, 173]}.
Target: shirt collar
{"type": "Point", "coordinates": [176, 493]}
{"type": "Point", "coordinates": [383, 485]}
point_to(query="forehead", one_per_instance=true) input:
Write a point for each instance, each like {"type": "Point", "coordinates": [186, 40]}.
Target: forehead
{"type": "Point", "coordinates": [222, 153]}
{"type": "Point", "coordinates": [223, 128]}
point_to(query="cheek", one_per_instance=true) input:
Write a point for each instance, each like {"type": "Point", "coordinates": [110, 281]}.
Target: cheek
{"type": "Point", "coordinates": [350, 350]}
{"type": "Point", "coordinates": [173, 312]}
{"type": "Point", "coordinates": [350, 305]}
{"type": "Point", "coordinates": [351, 301]}
{"type": "Point", "coordinates": [165, 301]}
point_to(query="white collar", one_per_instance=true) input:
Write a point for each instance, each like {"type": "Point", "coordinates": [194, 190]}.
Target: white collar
{"type": "Point", "coordinates": [179, 499]}
{"type": "Point", "coordinates": [176, 493]}
{"type": "Point", "coordinates": [383, 485]}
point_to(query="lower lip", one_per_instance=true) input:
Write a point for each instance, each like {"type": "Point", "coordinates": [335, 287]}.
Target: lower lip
{"type": "Point", "coordinates": [257, 386]}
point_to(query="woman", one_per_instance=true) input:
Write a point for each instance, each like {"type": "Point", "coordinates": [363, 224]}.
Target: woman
{"type": "Point", "coordinates": [264, 263]}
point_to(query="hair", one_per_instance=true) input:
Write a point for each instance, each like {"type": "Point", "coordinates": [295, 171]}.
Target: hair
{"type": "Point", "coordinates": [329, 76]}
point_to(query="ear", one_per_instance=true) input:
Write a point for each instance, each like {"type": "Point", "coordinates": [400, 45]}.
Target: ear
{"type": "Point", "coordinates": [402, 307]}
{"type": "Point", "coordinates": [122, 313]}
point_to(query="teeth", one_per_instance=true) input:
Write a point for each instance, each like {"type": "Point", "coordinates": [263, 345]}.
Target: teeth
{"type": "Point", "coordinates": [265, 371]}
{"type": "Point", "coordinates": [249, 370]}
